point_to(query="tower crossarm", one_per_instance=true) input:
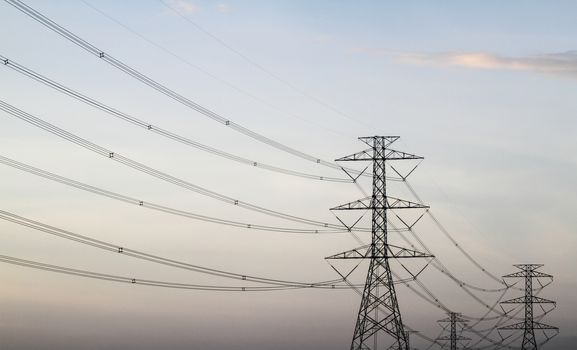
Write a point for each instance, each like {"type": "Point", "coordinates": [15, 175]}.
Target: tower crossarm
{"type": "Point", "coordinates": [400, 252]}
{"type": "Point", "coordinates": [523, 300]}
{"type": "Point", "coordinates": [543, 326]}
{"type": "Point", "coordinates": [363, 204]}
{"type": "Point", "coordinates": [392, 251]}
{"type": "Point", "coordinates": [522, 274]}
{"type": "Point", "coordinates": [370, 140]}
{"type": "Point", "coordinates": [357, 253]}
{"type": "Point", "coordinates": [389, 203]}
{"type": "Point", "coordinates": [398, 155]}
{"type": "Point", "coordinates": [362, 155]}
{"type": "Point", "coordinates": [397, 203]}
{"type": "Point", "coordinates": [535, 325]}
{"type": "Point", "coordinates": [530, 267]}
{"type": "Point", "coordinates": [389, 154]}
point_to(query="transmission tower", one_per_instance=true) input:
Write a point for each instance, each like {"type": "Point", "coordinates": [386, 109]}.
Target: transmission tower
{"type": "Point", "coordinates": [379, 311]}
{"type": "Point", "coordinates": [528, 273]}
{"type": "Point", "coordinates": [453, 319]}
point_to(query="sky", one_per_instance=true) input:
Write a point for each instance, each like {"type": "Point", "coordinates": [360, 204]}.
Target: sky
{"type": "Point", "coordinates": [485, 91]}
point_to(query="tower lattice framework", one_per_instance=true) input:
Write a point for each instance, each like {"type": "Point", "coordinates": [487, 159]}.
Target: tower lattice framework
{"type": "Point", "coordinates": [453, 320]}
{"type": "Point", "coordinates": [379, 313]}
{"type": "Point", "coordinates": [529, 325]}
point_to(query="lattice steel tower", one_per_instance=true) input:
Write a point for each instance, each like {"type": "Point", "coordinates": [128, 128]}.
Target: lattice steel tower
{"type": "Point", "coordinates": [529, 272]}
{"type": "Point", "coordinates": [379, 313]}
{"type": "Point", "coordinates": [453, 319]}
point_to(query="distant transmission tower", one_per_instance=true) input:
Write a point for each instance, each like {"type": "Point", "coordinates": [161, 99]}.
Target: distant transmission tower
{"type": "Point", "coordinates": [453, 319]}
{"type": "Point", "coordinates": [529, 272]}
{"type": "Point", "coordinates": [379, 311]}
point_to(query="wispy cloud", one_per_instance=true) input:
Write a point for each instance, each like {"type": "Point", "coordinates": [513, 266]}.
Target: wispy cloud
{"type": "Point", "coordinates": [184, 6]}
{"type": "Point", "coordinates": [562, 63]}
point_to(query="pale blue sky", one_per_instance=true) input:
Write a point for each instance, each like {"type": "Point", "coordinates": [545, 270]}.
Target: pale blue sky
{"type": "Point", "coordinates": [486, 91]}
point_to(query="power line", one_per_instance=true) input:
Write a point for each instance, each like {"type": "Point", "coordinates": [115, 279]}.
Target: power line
{"type": "Point", "coordinates": [125, 251]}
{"type": "Point", "coordinates": [37, 16]}
{"type": "Point", "coordinates": [421, 296]}
{"type": "Point", "coordinates": [158, 130]}
{"type": "Point", "coordinates": [144, 282]}
{"type": "Point", "coordinates": [165, 284]}
{"type": "Point", "coordinates": [151, 171]}
{"type": "Point", "coordinates": [372, 202]}
{"type": "Point", "coordinates": [149, 205]}
{"type": "Point", "coordinates": [432, 302]}
{"type": "Point", "coordinates": [434, 341]}
{"type": "Point", "coordinates": [436, 262]}
{"type": "Point", "coordinates": [115, 248]}
{"type": "Point", "coordinates": [207, 73]}
{"type": "Point", "coordinates": [463, 285]}
{"type": "Point", "coordinates": [265, 70]}
{"type": "Point", "coordinates": [444, 230]}
{"type": "Point", "coordinates": [478, 265]}
{"type": "Point", "coordinates": [441, 267]}
{"type": "Point", "coordinates": [454, 241]}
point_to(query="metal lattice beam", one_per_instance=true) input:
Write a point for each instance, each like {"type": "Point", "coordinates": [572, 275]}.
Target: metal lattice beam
{"type": "Point", "coordinates": [389, 202]}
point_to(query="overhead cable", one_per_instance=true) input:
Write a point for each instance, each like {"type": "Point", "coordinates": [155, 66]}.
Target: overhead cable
{"type": "Point", "coordinates": [126, 251]}
{"type": "Point", "coordinates": [263, 69]}
{"type": "Point", "coordinates": [153, 172]}
{"type": "Point", "coordinates": [145, 282]}
{"type": "Point", "coordinates": [149, 205]}
{"type": "Point", "coordinates": [196, 67]}
{"type": "Point", "coordinates": [158, 130]}
{"type": "Point", "coordinates": [48, 23]}
{"type": "Point", "coordinates": [456, 244]}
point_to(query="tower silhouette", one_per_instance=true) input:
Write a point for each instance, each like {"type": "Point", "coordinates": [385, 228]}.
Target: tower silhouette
{"type": "Point", "coordinates": [453, 319]}
{"type": "Point", "coordinates": [379, 310]}
{"type": "Point", "coordinates": [529, 325]}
